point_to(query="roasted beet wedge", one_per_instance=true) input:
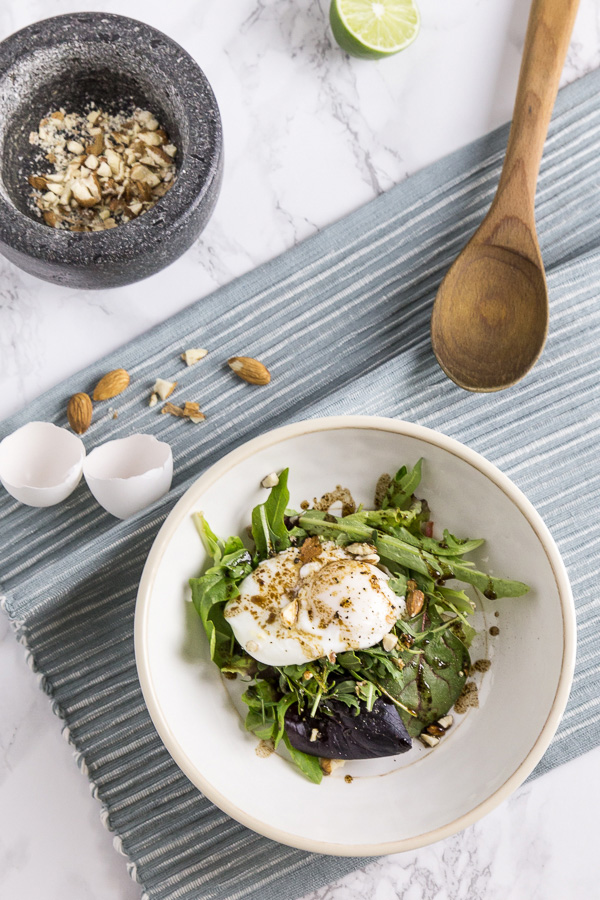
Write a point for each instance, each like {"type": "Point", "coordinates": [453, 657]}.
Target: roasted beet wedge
{"type": "Point", "coordinates": [343, 735]}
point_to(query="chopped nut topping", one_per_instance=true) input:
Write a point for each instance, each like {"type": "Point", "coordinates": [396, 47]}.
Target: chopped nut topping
{"type": "Point", "coordinates": [429, 740]}
{"type": "Point", "coordinates": [389, 642]}
{"type": "Point", "coordinates": [310, 550]}
{"type": "Point", "coordinates": [446, 722]}
{"type": "Point", "coordinates": [468, 698]}
{"type": "Point", "coordinates": [289, 613]}
{"type": "Point", "coordinates": [270, 481]}
{"type": "Point", "coordinates": [435, 730]}
{"type": "Point", "coordinates": [361, 549]}
{"type": "Point", "coordinates": [108, 169]}
{"type": "Point", "coordinates": [414, 599]}
{"type": "Point", "coordinates": [328, 766]}
{"type": "Point", "coordinates": [481, 665]}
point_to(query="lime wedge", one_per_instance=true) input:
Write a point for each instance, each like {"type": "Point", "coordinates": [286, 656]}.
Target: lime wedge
{"type": "Point", "coordinates": [374, 29]}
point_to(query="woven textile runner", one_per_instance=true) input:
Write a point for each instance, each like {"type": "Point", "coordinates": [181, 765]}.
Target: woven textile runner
{"type": "Point", "coordinates": [342, 322]}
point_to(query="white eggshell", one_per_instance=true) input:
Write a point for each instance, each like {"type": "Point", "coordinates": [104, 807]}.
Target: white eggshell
{"type": "Point", "coordinates": [129, 474]}
{"type": "Point", "coordinates": [41, 464]}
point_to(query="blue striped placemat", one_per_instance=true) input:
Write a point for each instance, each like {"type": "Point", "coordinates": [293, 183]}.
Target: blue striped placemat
{"type": "Point", "coordinates": [342, 322]}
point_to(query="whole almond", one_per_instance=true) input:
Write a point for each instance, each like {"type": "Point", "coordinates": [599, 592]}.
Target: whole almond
{"type": "Point", "coordinates": [251, 370]}
{"type": "Point", "coordinates": [79, 413]}
{"type": "Point", "coordinates": [414, 602]}
{"type": "Point", "coordinates": [111, 384]}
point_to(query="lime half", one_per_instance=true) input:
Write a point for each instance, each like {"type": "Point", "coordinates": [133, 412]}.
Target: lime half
{"type": "Point", "coordinates": [374, 29]}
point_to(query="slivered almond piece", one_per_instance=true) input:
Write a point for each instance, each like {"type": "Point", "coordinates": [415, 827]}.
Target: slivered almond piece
{"type": "Point", "coordinates": [150, 137]}
{"type": "Point", "coordinates": [143, 174]}
{"type": "Point", "coordinates": [51, 218]}
{"type": "Point", "coordinates": [104, 170]}
{"type": "Point", "coordinates": [86, 191]}
{"type": "Point", "coordinates": [389, 642]}
{"type": "Point", "coordinates": [38, 182]}
{"type": "Point", "coordinates": [173, 410]}
{"type": "Point", "coordinates": [328, 766]}
{"type": "Point", "coordinates": [190, 357]}
{"type": "Point", "coordinates": [97, 145]}
{"type": "Point", "coordinates": [289, 613]}
{"type": "Point", "coordinates": [164, 388]}
{"type": "Point", "coordinates": [189, 411]}
{"type": "Point", "coordinates": [158, 157]}
{"type": "Point", "coordinates": [113, 159]}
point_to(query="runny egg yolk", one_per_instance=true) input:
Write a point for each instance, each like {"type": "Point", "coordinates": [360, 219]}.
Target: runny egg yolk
{"type": "Point", "coordinates": [289, 612]}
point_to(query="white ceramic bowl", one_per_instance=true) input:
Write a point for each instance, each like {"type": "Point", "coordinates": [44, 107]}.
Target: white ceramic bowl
{"type": "Point", "coordinates": [396, 804]}
{"type": "Point", "coordinates": [41, 464]}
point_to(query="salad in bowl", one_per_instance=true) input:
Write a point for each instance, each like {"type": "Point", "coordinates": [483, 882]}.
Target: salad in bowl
{"type": "Point", "coordinates": [343, 626]}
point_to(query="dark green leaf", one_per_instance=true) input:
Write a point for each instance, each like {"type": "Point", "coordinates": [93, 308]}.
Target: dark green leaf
{"type": "Point", "coordinates": [433, 676]}
{"type": "Point", "coordinates": [269, 530]}
{"type": "Point", "coordinates": [308, 765]}
{"type": "Point", "coordinates": [218, 585]}
{"type": "Point", "coordinates": [402, 487]}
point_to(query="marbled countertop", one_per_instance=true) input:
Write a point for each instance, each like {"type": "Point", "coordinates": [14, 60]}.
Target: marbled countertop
{"type": "Point", "coordinates": [309, 136]}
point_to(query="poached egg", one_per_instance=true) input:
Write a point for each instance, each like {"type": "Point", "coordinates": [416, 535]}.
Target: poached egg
{"type": "Point", "coordinates": [302, 604]}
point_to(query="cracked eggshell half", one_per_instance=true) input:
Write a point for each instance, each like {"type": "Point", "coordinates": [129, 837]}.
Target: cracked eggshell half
{"type": "Point", "coordinates": [128, 474]}
{"type": "Point", "coordinates": [41, 464]}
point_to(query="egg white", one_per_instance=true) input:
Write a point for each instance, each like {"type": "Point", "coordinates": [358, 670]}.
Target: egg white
{"type": "Point", "coordinates": [289, 613]}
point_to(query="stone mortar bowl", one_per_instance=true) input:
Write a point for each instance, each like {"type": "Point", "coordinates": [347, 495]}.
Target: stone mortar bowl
{"type": "Point", "coordinates": [117, 62]}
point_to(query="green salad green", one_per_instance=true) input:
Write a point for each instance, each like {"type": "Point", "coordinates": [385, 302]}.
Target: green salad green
{"type": "Point", "coordinates": [366, 701]}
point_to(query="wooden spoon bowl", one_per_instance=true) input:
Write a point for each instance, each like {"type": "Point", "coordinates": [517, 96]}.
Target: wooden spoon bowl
{"type": "Point", "coordinates": [490, 317]}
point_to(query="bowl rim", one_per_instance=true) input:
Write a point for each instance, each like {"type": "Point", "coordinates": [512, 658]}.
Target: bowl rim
{"type": "Point", "coordinates": [375, 423]}
{"type": "Point", "coordinates": [177, 205]}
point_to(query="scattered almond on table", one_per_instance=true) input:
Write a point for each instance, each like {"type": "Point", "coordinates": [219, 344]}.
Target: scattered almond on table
{"type": "Point", "coordinates": [189, 411]}
{"type": "Point", "coordinates": [79, 412]}
{"type": "Point", "coordinates": [191, 357]}
{"type": "Point", "coordinates": [163, 388]}
{"type": "Point", "coordinates": [249, 369]}
{"type": "Point", "coordinates": [80, 408]}
{"type": "Point", "coordinates": [111, 385]}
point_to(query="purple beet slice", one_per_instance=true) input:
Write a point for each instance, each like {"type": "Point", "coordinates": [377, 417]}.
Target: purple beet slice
{"type": "Point", "coordinates": [343, 735]}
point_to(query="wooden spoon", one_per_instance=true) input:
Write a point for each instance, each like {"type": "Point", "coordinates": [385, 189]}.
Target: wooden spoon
{"type": "Point", "coordinates": [490, 316]}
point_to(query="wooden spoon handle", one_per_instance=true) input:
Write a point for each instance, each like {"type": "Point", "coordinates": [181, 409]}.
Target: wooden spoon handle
{"type": "Point", "coordinates": [546, 44]}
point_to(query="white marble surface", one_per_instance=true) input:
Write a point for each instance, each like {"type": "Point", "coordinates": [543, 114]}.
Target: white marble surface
{"type": "Point", "coordinates": [309, 135]}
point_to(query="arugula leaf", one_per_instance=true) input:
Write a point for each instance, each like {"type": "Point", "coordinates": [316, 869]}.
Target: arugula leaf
{"type": "Point", "coordinates": [366, 690]}
{"type": "Point", "coordinates": [214, 588]}
{"type": "Point", "coordinates": [394, 550]}
{"type": "Point", "coordinates": [308, 765]}
{"type": "Point", "coordinates": [262, 699]}
{"type": "Point", "coordinates": [389, 520]}
{"type": "Point", "coordinates": [402, 487]}
{"type": "Point", "coordinates": [269, 530]}
{"type": "Point", "coordinates": [398, 584]}
{"type": "Point", "coordinates": [453, 600]}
